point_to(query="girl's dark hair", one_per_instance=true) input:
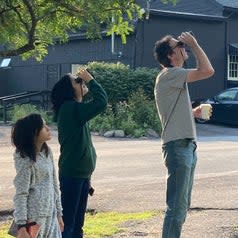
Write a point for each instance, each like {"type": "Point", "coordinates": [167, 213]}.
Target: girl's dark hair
{"type": "Point", "coordinates": [61, 92]}
{"type": "Point", "coordinates": [162, 49]}
{"type": "Point", "coordinates": [24, 133]}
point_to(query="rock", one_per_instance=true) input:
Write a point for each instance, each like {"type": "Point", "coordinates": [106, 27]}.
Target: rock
{"type": "Point", "coordinates": [152, 133]}
{"type": "Point", "coordinates": [119, 133]}
{"type": "Point", "coordinates": [109, 134]}
{"type": "Point", "coordinates": [93, 133]}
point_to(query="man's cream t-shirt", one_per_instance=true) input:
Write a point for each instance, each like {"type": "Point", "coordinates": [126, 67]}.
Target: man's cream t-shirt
{"type": "Point", "coordinates": [181, 124]}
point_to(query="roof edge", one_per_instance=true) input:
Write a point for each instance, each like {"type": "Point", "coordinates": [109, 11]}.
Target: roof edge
{"type": "Point", "coordinates": [230, 9]}
{"type": "Point", "coordinates": [186, 15]}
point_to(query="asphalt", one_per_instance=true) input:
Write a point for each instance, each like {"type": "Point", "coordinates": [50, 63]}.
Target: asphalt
{"type": "Point", "coordinates": [130, 177]}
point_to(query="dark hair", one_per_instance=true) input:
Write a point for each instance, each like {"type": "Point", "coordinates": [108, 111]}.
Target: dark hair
{"type": "Point", "coordinates": [61, 92]}
{"type": "Point", "coordinates": [24, 133]}
{"type": "Point", "coordinates": [162, 49]}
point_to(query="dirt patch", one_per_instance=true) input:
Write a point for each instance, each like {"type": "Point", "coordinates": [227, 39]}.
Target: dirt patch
{"type": "Point", "coordinates": [199, 224]}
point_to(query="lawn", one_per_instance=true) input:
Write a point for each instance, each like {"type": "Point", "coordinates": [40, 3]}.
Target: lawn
{"type": "Point", "coordinates": [101, 224]}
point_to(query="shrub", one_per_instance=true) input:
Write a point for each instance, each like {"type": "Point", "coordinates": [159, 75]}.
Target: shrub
{"type": "Point", "coordinates": [103, 122]}
{"type": "Point", "coordinates": [144, 111]}
{"type": "Point", "coordinates": [134, 117]}
{"type": "Point", "coordinates": [144, 78]}
{"type": "Point", "coordinates": [23, 110]}
{"type": "Point", "coordinates": [119, 81]}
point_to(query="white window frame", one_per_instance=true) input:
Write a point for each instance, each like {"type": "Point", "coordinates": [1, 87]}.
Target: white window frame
{"type": "Point", "coordinates": [233, 67]}
{"type": "Point", "coordinates": [75, 67]}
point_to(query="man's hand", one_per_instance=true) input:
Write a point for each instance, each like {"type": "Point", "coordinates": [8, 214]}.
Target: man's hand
{"type": "Point", "coordinates": [197, 112]}
{"type": "Point", "coordinates": [188, 39]}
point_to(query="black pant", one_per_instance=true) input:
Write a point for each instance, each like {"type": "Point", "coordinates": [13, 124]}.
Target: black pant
{"type": "Point", "coordinates": [74, 196]}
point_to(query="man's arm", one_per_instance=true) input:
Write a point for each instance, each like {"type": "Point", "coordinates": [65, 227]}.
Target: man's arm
{"type": "Point", "coordinates": [203, 68]}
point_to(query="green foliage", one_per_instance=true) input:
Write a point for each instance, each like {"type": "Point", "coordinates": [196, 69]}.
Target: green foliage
{"type": "Point", "coordinates": [130, 127]}
{"type": "Point", "coordinates": [144, 111]}
{"type": "Point", "coordinates": [131, 96]}
{"type": "Point", "coordinates": [145, 78]}
{"type": "Point", "coordinates": [28, 27]}
{"type": "Point", "coordinates": [134, 117]}
{"type": "Point", "coordinates": [120, 81]}
{"type": "Point", "coordinates": [104, 121]}
{"type": "Point", "coordinates": [115, 79]}
{"type": "Point", "coordinates": [23, 110]}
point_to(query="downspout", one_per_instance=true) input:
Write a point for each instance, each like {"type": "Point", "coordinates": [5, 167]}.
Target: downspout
{"type": "Point", "coordinates": [146, 13]}
{"type": "Point", "coordinates": [133, 63]}
{"type": "Point", "coordinates": [226, 67]}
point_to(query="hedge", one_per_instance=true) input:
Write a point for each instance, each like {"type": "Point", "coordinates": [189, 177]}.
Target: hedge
{"type": "Point", "coordinates": [119, 81]}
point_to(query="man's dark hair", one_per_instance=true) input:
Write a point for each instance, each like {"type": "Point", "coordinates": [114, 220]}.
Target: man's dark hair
{"type": "Point", "coordinates": [162, 49]}
{"type": "Point", "coordinates": [24, 133]}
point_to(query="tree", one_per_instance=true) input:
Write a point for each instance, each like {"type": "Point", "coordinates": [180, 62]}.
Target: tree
{"type": "Point", "coordinates": [28, 27]}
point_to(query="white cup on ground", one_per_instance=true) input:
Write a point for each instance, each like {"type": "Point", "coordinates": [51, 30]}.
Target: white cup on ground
{"type": "Point", "coordinates": [206, 111]}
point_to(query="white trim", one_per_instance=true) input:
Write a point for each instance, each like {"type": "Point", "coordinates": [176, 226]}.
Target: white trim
{"type": "Point", "coordinates": [232, 67]}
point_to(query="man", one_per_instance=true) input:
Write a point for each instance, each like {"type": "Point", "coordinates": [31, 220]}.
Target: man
{"type": "Point", "coordinates": [177, 118]}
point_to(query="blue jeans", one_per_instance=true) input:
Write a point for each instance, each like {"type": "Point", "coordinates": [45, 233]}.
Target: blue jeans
{"type": "Point", "coordinates": [180, 160]}
{"type": "Point", "coordinates": [74, 197]}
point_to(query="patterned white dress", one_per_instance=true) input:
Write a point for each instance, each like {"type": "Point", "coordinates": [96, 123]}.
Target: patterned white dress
{"type": "Point", "coordinates": [37, 194]}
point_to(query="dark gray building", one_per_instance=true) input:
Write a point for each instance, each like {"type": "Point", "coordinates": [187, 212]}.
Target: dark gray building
{"type": "Point", "coordinates": [214, 23]}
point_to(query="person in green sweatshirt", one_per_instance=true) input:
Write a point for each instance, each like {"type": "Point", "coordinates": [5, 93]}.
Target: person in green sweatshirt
{"type": "Point", "coordinates": [77, 159]}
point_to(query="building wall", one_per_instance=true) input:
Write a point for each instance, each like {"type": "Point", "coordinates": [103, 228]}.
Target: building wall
{"type": "Point", "coordinates": [3, 80]}
{"type": "Point", "coordinates": [20, 78]}
{"type": "Point", "coordinates": [32, 76]}
{"type": "Point", "coordinates": [210, 35]}
{"type": "Point", "coordinates": [232, 38]}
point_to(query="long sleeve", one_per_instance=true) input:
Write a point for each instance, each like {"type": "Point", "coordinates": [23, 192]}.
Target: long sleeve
{"type": "Point", "coordinates": [56, 189]}
{"type": "Point", "coordinates": [22, 184]}
{"type": "Point", "coordinates": [86, 111]}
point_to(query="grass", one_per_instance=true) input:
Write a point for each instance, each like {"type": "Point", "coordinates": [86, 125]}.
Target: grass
{"type": "Point", "coordinates": [103, 224]}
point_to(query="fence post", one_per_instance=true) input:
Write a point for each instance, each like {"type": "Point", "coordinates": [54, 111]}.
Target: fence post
{"type": "Point", "coordinates": [4, 112]}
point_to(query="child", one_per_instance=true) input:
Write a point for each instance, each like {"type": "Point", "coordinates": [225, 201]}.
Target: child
{"type": "Point", "coordinates": [77, 154]}
{"type": "Point", "coordinates": [37, 194]}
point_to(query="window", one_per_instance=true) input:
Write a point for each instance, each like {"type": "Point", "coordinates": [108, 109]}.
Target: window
{"type": "Point", "coordinates": [233, 62]}
{"type": "Point", "coordinates": [5, 63]}
{"type": "Point", "coordinates": [233, 67]}
{"type": "Point", "coordinates": [227, 96]}
{"type": "Point", "coordinates": [75, 67]}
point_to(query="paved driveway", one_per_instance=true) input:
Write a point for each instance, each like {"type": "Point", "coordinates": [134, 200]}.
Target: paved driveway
{"type": "Point", "coordinates": [130, 176]}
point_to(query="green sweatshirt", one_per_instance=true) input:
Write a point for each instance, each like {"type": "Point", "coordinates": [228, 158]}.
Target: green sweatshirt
{"type": "Point", "coordinates": [77, 153]}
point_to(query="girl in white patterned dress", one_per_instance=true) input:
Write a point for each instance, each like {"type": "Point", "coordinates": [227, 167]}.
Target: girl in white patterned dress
{"type": "Point", "coordinates": [37, 194]}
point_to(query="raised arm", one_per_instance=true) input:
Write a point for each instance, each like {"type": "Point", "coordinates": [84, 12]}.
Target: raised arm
{"type": "Point", "coordinates": [87, 111]}
{"type": "Point", "coordinates": [203, 68]}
